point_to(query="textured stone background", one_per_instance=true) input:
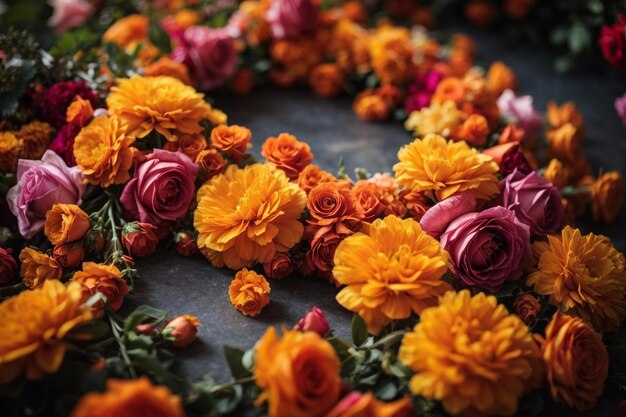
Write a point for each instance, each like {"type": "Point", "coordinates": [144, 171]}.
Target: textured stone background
{"type": "Point", "coordinates": [190, 285]}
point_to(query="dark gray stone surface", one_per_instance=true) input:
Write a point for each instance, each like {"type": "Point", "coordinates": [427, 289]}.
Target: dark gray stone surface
{"type": "Point", "coordinates": [191, 286]}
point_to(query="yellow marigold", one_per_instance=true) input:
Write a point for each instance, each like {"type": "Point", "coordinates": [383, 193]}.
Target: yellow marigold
{"type": "Point", "coordinates": [34, 326]}
{"type": "Point", "coordinates": [38, 268]}
{"type": "Point", "coordinates": [10, 147]}
{"type": "Point", "coordinates": [440, 169]}
{"type": "Point", "coordinates": [248, 214]}
{"type": "Point", "coordinates": [123, 398]}
{"type": "Point", "coordinates": [583, 274]}
{"type": "Point", "coordinates": [607, 197]}
{"type": "Point", "coordinates": [472, 355]}
{"type": "Point", "coordinates": [103, 151]}
{"type": "Point", "coordinates": [390, 271]}
{"type": "Point", "coordinates": [169, 67]}
{"type": "Point", "coordinates": [439, 118]}
{"type": "Point", "coordinates": [36, 137]}
{"type": "Point", "coordinates": [249, 292]}
{"type": "Point", "coordinates": [161, 103]}
{"type": "Point", "coordinates": [66, 223]}
{"type": "Point", "coordinates": [576, 361]}
{"type": "Point", "coordinates": [298, 373]}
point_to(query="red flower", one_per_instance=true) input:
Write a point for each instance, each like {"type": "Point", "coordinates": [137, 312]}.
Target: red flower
{"type": "Point", "coordinates": [58, 98]}
{"type": "Point", "coordinates": [7, 266]}
{"type": "Point", "coordinates": [613, 43]}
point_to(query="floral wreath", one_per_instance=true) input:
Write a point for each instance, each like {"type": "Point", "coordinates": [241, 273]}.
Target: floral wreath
{"type": "Point", "coordinates": [470, 285]}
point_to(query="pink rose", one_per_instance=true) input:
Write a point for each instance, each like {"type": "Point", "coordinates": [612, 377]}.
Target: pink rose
{"type": "Point", "coordinates": [522, 110]}
{"type": "Point", "coordinates": [162, 188]}
{"type": "Point", "coordinates": [486, 248]}
{"type": "Point", "coordinates": [438, 217]}
{"type": "Point", "coordinates": [314, 321]}
{"type": "Point", "coordinates": [291, 18]}
{"type": "Point", "coordinates": [620, 107]}
{"type": "Point", "coordinates": [41, 184]}
{"type": "Point", "coordinates": [68, 14]}
{"type": "Point", "coordinates": [209, 54]}
{"type": "Point", "coordinates": [536, 202]}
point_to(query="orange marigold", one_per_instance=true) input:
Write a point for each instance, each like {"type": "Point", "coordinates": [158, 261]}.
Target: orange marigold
{"type": "Point", "coordinates": [249, 292]}
{"type": "Point", "coordinates": [472, 355]}
{"type": "Point", "coordinates": [129, 32]}
{"type": "Point", "coordinates": [248, 214]}
{"type": "Point", "coordinates": [34, 326]}
{"type": "Point", "coordinates": [390, 271]}
{"type": "Point", "coordinates": [607, 197]}
{"type": "Point", "coordinates": [440, 169]}
{"type": "Point", "coordinates": [105, 279]}
{"type": "Point", "coordinates": [326, 80]}
{"type": "Point", "coordinates": [211, 163]}
{"type": "Point", "coordinates": [371, 107]}
{"type": "Point", "coordinates": [36, 137]}
{"type": "Point", "coordinates": [233, 140]}
{"type": "Point", "coordinates": [584, 275]}
{"type": "Point", "coordinates": [79, 112]}
{"type": "Point", "coordinates": [298, 373]}
{"type": "Point", "coordinates": [10, 147]}
{"type": "Point", "coordinates": [163, 104]}
{"type": "Point", "coordinates": [168, 67]}
{"type": "Point", "coordinates": [287, 153]}
{"type": "Point", "coordinates": [38, 268]}
{"type": "Point", "coordinates": [313, 175]}
{"type": "Point", "coordinates": [474, 130]}
{"type": "Point", "coordinates": [576, 361]}
{"type": "Point", "coordinates": [500, 78]}
{"type": "Point", "coordinates": [103, 151]}
{"type": "Point", "coordinates": [130, 398]}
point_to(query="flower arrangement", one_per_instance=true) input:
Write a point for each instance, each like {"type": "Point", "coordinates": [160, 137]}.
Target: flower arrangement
{"type": "Point", "coordinates": [473, 291]}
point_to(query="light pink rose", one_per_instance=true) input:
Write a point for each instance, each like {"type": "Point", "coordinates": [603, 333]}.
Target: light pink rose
{"type": "Point", "coordinates": [536, 202]}
{"type": "Point", "coordinates": [209, 54]}
{"type": "Point", "coordinates": [486, 248]}
{"type": "Point", "coordinates": [41, 184]}
{"type": "Point", "coordinates": [620, 107]}
{"type": "Point", "coordinates": [68, 14]}
{"type": "Point", "coordinates": [291, 18]}
{"type": "Point", "coordinates": [520, 108]}
{"type": "Point", "coordinates": [162, 188]}
{"type": "Point", "coordinates": [438, 217]}
{"type": "Point", "coordinates": [314, 321]}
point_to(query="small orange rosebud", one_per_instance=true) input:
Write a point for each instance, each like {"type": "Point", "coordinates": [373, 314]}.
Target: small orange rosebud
{"type": "Point", "coordinates": [66, 223]}
{"type": "Point", "coordinates": [190, 145]}
{"type": "Point", "coordinates": [249, 292]}
{"type": "Point", "coordinates": [69, 255]}
{"type": "Point", "coordinates": [182, 330]}
{"type": "Point", "coordinates": [79, 112]}
{"type": "Point", "coordinates": [526, 306]}
{"type": "Point", "coordinates": [607, 197]}
{"type": "Point", "coordinates": [281, 266]}
{"type": "Point", "coordinates": [326, 80]}
{"type": "Point", "coordinates": [311, 176]}
{"type": "Point", "coordinates": [139, 239]}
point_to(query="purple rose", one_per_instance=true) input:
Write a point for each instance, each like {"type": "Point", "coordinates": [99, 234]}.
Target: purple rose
{"type": "Point", "coordinates": [522, 110]}
{"type": "Point", "coordinates": [620, 107]}
{"type": "Point", "coordinates": [536, 202]}
{"type": "Point", "coordinates": [486, 248]}
{"type": "Point", "coordinates": [209, 54]}
{"type": "Point", "coordinates": [41, 184]}
{"type": "Point", "coordinates": [291, 18]}
{"type": "Point", "coordinates": [162, 188]}
{"type": "Point", "coordinates": [438, 217]}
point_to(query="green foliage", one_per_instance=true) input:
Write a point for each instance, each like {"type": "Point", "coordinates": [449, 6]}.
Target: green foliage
{"type": "Point", "coordinates": [159, 37]}
{"type": "Point", "coordinates": [359, 330]}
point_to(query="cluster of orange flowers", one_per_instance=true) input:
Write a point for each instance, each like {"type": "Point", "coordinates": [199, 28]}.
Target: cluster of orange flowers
{"type": "Point", "coordinates": [28, 142]}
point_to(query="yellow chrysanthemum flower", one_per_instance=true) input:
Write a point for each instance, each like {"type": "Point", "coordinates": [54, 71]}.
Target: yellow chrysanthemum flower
{"type": "Point", "coordinates": [584, 274]}
{"type": "Point", "coordinates": [248, 215]}
{"type": "Point", "coordinates": [439, 169]}
{"type": "Point", "coordinates": [34, 324]}
{"type": "Point", "coordinates": [164, 104]}
{"type": "Point", "coordinates": [389, 271]}
{"type": "Point", "coordinates": [438, 119]}
{"type": "Point", "coordinates": [10, 147]}
{"type": "Point", "coordinates": [472, 355]}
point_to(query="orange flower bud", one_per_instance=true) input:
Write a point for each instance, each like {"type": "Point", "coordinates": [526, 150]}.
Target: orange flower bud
{"type": "Point", "coordinates": [326, 80]}
{"type": "Point", "coordinates": [607, 197]}
{"type": "Point", "coordinates": [145, 328]}
{"type": "Point", "coordinates": [190, 145]}
{"type": "Point", "coordinates": [249, 292]}
{"type": "Point", "coordinates": [182, 330]}
{"type": "Point", "coordinates": [139, 239]}
{"type": "Point", "coordinates": [186, 244]}
{"type": "Point", "coordinates": [474, 130]}
{"type": "Point", "coordinates": [511, 133]}
{"type": "Point", "coordinates": [66, 223]}
{"type": "Point", "coordinates": [69, 255]}
{"type": "Point", "coordinates": [79, 112]}
{"type": "Point", "coordinates": [558, 116]}
{"type": "Point", "coordinates": [500, 78]}
{"type": "Point", "coordinates": [565, 142]}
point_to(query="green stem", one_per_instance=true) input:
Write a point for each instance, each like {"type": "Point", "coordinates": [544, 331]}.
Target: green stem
{"type": "Point", "coordinates": [231, 384]}
{"type": "Point", "coordinates": [391, 339]}
{"type": "Point", "coordinates": [118, 337]}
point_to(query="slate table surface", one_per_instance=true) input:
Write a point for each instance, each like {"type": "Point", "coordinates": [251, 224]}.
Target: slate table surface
{"type": "Point", "coordinates": [183, 285]}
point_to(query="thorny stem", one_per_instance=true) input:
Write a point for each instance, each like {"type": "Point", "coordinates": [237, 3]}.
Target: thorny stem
{"type": "Point", "coordinates": [116, 333]}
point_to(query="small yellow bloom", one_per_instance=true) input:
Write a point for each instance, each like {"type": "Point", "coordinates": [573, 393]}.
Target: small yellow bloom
{"type": "Point", "coordinates": [440, 119]}
{"type": "Point", "coordinates": [249, 292]}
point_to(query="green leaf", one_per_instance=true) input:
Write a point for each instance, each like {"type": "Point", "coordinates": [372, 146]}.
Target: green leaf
{"type": "Point", "coordinates": [227, 400]}
{"type": "Point", "coordinates": [579, 38]}
{"type": "Point", "coordinates": [142, 313]}
{"type": "Point", "coordinates": [234, 359]}
{"type": "Point", "coordinates": [159, 37]}
{"type": "Point", "coordinates": [359, 330]}
{"type": "Point", "coordinates": [387, 392]}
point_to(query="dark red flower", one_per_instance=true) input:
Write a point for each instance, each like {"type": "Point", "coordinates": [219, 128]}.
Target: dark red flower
{"type": "Point", "coordinates": [613, 43]}
{"type": "Point", "coordinates": [57, 99]}
{"type": "Point", "coordinates": [63, 143]}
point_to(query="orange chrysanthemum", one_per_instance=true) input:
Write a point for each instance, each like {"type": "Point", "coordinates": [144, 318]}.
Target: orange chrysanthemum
{"type": "Point", "coordinates": [249, 214]}
{"type": "Point", "coordinates": [105, 279]}
{"type": "Point", "coordinates": [10, 146]}
{"type": "Point", "coordinates": [583, 274]}
{"type": "Point", "coordinates": [103, 151]}
{"type": "Point", "coordinates": [440, 169]}
{"type": "Point", "coordinates": [124, 398]}
{"type": "Point", "coordinates": [38, 268]}
{"type": "Point", "coordinates": [34, 326]}
{"type": "Point", "coordinates": [391, 271]}
{"type": "Point", "coordinates": [129, 33]}
{"type": "Point", "coordinates": [472, 355]}
{"type": "Point", "coordinates": [164, 104]}
{"type": "Point", "coordinates": [249, 292]}
{"type": "Point", "coordinates": [169, 67]}
{"type": "Point", "coordinates": [36, 137]}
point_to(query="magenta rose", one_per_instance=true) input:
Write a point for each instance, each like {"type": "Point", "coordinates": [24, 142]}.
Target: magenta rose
{"type": "Point", "coordinates": [68, 14]}
{"type": "Point", "coordinates": [620, 107]}
{"type": "Point", "coordinates": [314, 321]}
{"type": "Point", "coordinates": [63, 143]}
{"type": "Point", "coordinates": [209, 54]}
{"type": "Point", "coordinates": [536, 202]}
{"type": "Point", "coordinates": [162, 188]}
{"type": "Point", "coordinates": [612, 43]}
{"type": "Point", "coordinates": [438, 217]}
{"type": "Point", "coordinates": [486, 248]}
{"type": "Point", "coordinates": [291, 18]}
{"type": "Point", "coordinates": [522, 110]}
{"type": "Point", "coordinates": [41, 184]}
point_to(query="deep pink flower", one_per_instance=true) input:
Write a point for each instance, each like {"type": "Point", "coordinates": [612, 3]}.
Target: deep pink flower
{"type": "Point", "coordinates": [68, 14]}
{"type": "Point", "coordinates": [314, 321]}
{"type": "Point", "coordinates": [7, 266]}
{"type": "Point", "coordinates": [63, 143]}
{"type": "Point", "coordinates": [620, 107]}
{"type": "Point", "coordinates": [420, 91]}
{"type": "Point", "coordinates": [612, 43]}
{"type": "Point", "coordinates": [437, 218]}
{"type": "Point", "coordinates": [58, 98]}
{"type": "Point", "coordinates": [522, 110]}
{"type": "Point", "coordinates": [292, 18]}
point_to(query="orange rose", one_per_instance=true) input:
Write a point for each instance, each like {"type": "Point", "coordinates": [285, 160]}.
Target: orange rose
{"type": "Point", "coordinates": [298, 373]}
{"type": "Point", "coordinates": [332, 206]}
{"type": "Point", "coordinates": [526, 306]}
{"type": "Point", "coordinates": [371, 107]}
{"type": "Point", "coordinates": [311, 176]}
{"type": "Point", "coordinates": [557, 173]}
{"type": "Point", "coordinates": [474, 130]}
{"type": "Point", "coordinates": [249, 292]}
{"type": "Point", "coordinates": [607, 197]}
{"type": "Point", "coordinates": [357, 404]}
{"type": "Point", "coordinates": [211, 163]}
{"type": "Point", "coordinates": [450, 88]}
{"type": "Point", "coordinates": [326, 80]}
{"type": "Point", "coordinates": [281, 266]}
{"type": "Point", "coordinates": [287, 153]}
{"type": "Point", "coordinates": [105, 279]}
{"type": "Point", "coordinates": [565, 142]}
{"type": "Point", "coordinates": [182, 330]}
{"type": "Point", "coordinates": [369, 197]}
{"type": "Point", "coordinates": [500, 78]}
{"type": "Point", "coordinates": [190, 145]}
{"type": "Point", "coordinates": [242, 81]}
{"type": "Point", "coordinates": [320, 258]}
{"type": "Point", "coordinates": [66, 223]}
{"type": "Point", "coordinates": [169, 67]}
{"type": "Point", "coordinates": [124, 397]}
{"type": "Point", "coordinates": [576, 361]}
{"type": "Point", "coordinates": [139, 239]}
{"type": "Point", "coordinates": [233, 140]}
{"type": "Point", "coordinates": [69, 255]}
{"type": "Point", "coordinates": [37, 267]}
{"type": "Point", "coordinates": [79, 112]}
